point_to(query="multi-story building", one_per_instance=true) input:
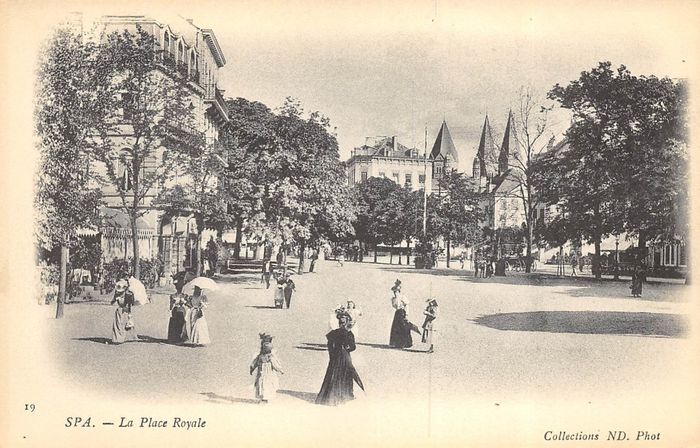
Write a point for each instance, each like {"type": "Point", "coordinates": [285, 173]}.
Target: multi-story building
{"type": "Point", "coordinates": [386, 157]}
{"type": "Point", "coordinates": [187, 52]}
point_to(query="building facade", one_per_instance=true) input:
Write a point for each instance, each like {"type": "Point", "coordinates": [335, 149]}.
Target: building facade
{"type": "Point", "coordinates": [188, 53]}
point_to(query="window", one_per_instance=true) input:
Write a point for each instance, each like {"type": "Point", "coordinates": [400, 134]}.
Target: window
{"type": "Point", "coordinates": [682, 256]}
{"type": "Point", "coordinates": [166, 44]}
{"type": "Point", "coordinates": [395, 178]}
{"type": "Point", "coordinates": [438, 171]}
{"type": "Point", "coordinates": [409, 180]}
{"type": "Point", "coordinates": [421, 179]}
{"type": "Point", "coordinates": [363, 176]}
{"type": "Point", "coordinates": [180, 53]}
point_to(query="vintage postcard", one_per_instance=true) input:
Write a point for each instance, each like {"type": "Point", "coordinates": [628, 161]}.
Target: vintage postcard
{"type": "Point", "coordinates": [421, 223]}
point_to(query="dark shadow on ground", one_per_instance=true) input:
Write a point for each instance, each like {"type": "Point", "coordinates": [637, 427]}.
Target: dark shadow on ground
{"type": "Point", "coordinates": [383, 346]}
{"type": "Point", "coordinates": [671, 293]}
{"type": "Point", "coordinates": [314, 349]}
{"type": "Point", "coordinates": [152, 340]}
{"type": "Point", "coordinates": [263, 307]}
{"type": "Point", "coordinates": [590, 322]}
{"type": "Point", "coordinates": [214, 398]}
{"type": "Point", "coordinates": [306, 396]}
{"type": "Point", "coordinates": [98, 340]}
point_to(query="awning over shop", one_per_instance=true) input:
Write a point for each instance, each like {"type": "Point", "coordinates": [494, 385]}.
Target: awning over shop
{"type": "Point", "coordinates": [116, 224]}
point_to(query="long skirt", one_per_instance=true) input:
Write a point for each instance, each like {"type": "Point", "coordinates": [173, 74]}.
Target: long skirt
{"type": "Point", "coordinates": [637, 287]}
{"type": "Point", "coordinates": [200, 330]}
{"type": "Point", "coordinates": [176, 325]}
{"type": "Point", "coordinates": [400, 331]}
{"type": "Point", "coordinates": [119, 332]}
{"type": "Point", "coordinates": [337, 387]}
{"type": "Point", "coordinates": [266, 383]}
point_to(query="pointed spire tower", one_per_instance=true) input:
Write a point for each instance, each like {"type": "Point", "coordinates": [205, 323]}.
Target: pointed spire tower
{"type": "Point", "coordinates": [444, 154]}
{"type": "Point", "coordinates": [486, 155]}
{"type": "Point", "coordinates": [510, 151]}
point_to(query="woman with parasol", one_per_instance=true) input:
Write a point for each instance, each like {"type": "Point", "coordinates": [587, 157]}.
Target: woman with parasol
{"type": "Point", "coordinates": [337, 387]}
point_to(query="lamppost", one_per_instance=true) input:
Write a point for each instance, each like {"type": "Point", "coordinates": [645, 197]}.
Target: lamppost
{"type": "Point", "coordinates": [617, 257]}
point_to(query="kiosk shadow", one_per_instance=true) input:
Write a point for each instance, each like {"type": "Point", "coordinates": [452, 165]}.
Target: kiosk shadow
{"type": "Point", "coordinates": [590, 322]}
{"type": "Point", "coordinates": [306, 396]}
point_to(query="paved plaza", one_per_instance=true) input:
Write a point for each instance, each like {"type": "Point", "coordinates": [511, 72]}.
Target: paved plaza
{"type": "Point", "coordinates": [500, 339]}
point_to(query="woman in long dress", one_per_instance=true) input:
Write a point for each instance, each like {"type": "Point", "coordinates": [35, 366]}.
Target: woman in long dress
{"type": "Point", "coordinates": [176, 324]}
{"type": "Point", "coordinates": [267, 365]}
{"type": "Point", "coordinates": [198, 329]}
{"type": "Point", "coordinates": [337, 387]}
{"type": "Point", "coordinates": [122, 328]}
{"type": "Point", "coordinates": [637, 281]}
{"type": "Point", "coordinates": [400, 336]}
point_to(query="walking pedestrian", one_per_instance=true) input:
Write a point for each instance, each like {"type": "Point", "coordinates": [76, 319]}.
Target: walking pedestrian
{"type": "Point", "coordinates": [314, 257]}
{"type": "Point", "coordinates": [574, 263]}
{"type": "Point", "coordinates": [196, 326]}
{"type": "Point", "coordinates": [289, 288]}
{"type": "Point", "coordinates": [429, 324]}
{"type": "Point", "coordinates": [123, 325]}
{"type": "Point", "coordinates": [354, 312]}
{"type": "Point", "coordinates": [266, 272]}
{"type": "Point", "coordinates": [267, 366]}
{"type": "Point", "coordinates": [337, 387]}
{"type": "Point", "coordinates": [638, 277]}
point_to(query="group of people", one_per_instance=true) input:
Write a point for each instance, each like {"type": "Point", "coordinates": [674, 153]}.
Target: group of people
{"type": "Point", "coordinates": [401, 326]}
{"type": "Point", "coordinates": [187, 324]}
{"type": "Point", "coordinates": [483, 268]}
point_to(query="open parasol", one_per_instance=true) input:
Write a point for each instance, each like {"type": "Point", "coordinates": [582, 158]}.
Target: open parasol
{"type": "Point", "coordinates": [139, 291]}
{"type": "Point", "coordinates": [202, 282]}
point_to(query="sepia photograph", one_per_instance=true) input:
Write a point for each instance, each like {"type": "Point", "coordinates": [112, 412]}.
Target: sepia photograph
{"type": "Point", "coordinates": [421, 223]}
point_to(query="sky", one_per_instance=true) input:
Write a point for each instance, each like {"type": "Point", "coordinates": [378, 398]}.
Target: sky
{"type": "Point", "coordinates": [396, 68]}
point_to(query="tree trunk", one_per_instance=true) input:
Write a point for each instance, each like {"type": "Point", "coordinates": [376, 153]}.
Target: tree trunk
{"type": "Point", "coordinates": [391, 254]}
{"type": "Point", "coordinates": [135, 245]}
{"type": "Point", "coordinates": [198, 252]}
{"type": "Point", "coordinates": [408, 252]}
{"type": "Point", "coordinates": [239, 239]}
{"type": "Point", "coordinates": [560, 264]}
{"type": "Point", "coordinates": [375, 253]}
{"type": "Point", "coordinates": [448, 253]}
{"type": "Point", "coordinates": [642, 247]}
{"type": "Point", "coordinates": [361, 248]}
{"type": "Point", "coordinates": [596, 258]}
{"type": "Point", "coordinates": [62, 282]}
{"type": "Point", "coordinates": [302, 250]}
{"type": "Point", "coordinates": [528, 252]}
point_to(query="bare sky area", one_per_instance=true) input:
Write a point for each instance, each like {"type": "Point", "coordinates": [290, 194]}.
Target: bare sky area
{"type": "Point", "coordinates": [391, 68]}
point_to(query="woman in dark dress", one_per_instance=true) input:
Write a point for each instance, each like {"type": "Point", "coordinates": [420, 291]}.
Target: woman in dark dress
{"type": "Point", "coordinates": [637, 281]}
{"type": "Point", "coordinates": [176, 324]}
{"type": "Point", "coordinates": [337, 385]}
{"type": "Point", "coordinates": [401, 327]}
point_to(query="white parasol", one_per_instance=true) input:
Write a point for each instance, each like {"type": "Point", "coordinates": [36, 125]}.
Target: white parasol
{"type": "Point", "coordinates": [202, 282]}
{"type": "Point", "coordinates": [139, 291]}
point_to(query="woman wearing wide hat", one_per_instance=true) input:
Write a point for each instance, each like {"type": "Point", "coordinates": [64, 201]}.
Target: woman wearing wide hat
{"type": "Point", "coordinates": [429, 323]}
{"type": "Point", "coordinates": [123, 326]}
{"type": "Point", "coordinates": [337, 387]}
{"type": "Point", "coordinates": [401, 327]}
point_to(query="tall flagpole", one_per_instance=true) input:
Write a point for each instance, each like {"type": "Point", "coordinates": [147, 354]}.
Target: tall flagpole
{"type": "Point", "coordinates": [425, 183]}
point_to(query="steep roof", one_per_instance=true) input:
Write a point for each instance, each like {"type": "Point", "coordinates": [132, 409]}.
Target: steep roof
{"type": "Point", "coordinates": [444, 145]}
{"type": "Point", "coordinates": [510, 149]}
{"type": "Point", "coordinates": [487, 152]}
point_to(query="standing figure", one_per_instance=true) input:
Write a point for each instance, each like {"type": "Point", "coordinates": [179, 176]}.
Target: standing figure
{"type": "Point", "coordinates": [489, 268]}
{"type": "Point", "coordinates": [278, 296]}
{"type": "Point", "coordinates": [212, 256]}
{"type": "Point", "coordinates": [176, 324]}
{"type": "Point", "coordinates": [401, 327]}
{"type": "Point", "coordinates": [267, 364]}
{"type": "Point", "coordinates": [429, 324]}
{"type": "Point", "coordinates": [354, 312]}
{"type": "Point", "coordinates": [196, 323]}
{"type": "Point", "coordinates": [337, 387]}
{"type": "Point", "coordinates": [638, 277]}
{"type": "Point", "coordinates": [266, 272]}
{"type": "Point", "coordinates": [123, 326]}
{"type": "Point", "coordinates": [574, 263]}
{"type": "Point", "coordinates": [314, 257]}
{"type": "Point", "coordinates": [461, 260]}
{"type": "Point", "coordinates": [289, 288]}
{"type": "Point", "coordinates": [341, 258]}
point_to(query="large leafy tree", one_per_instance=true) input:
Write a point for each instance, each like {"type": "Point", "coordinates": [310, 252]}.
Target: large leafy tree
{"type": "Point", "coordinates": [69, 104]}
{"type": "Point", "coordinates": [151, 131]}
{"type": "Point", "coordinates": [456, 210]}
{"type": "Point", "coordinates": [370, 196]}
{"type": "Point", "coordinates": [623, 166]}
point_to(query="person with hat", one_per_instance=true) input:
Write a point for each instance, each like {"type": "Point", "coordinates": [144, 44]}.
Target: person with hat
{"type": "Point", "coordinates": [401, 327]}
{"type": "Point", "coordinates": [267, 364]}
{"type": "Point", "coordinates": [337, 387]}
{"type": "Point", "coordinates": [123, 326]}
{"type": "Point", "coordinates": [289, 288]}
{"type": "Point", "coordinates": [196, 330]}
{"type": "Point", "coordinates": [429, 323]}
